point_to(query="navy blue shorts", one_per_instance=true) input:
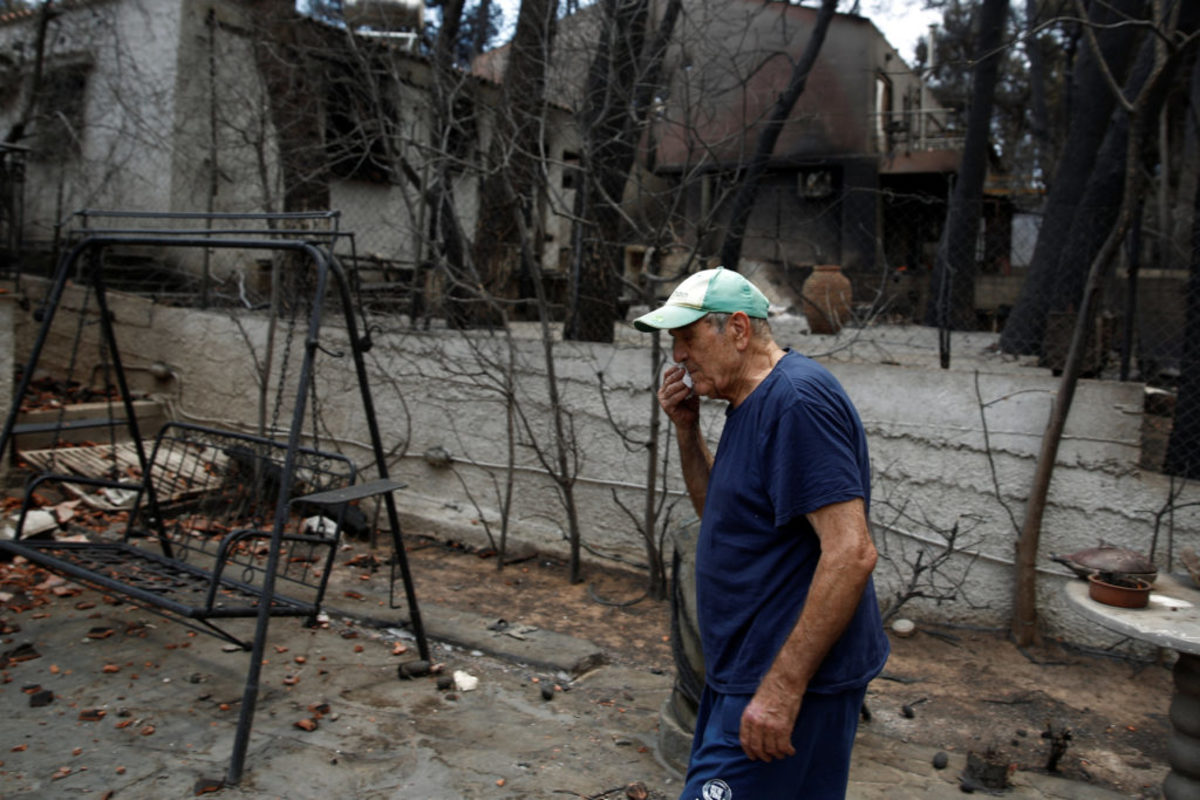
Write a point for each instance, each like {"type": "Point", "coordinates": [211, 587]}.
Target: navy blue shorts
{"type": "Point", "coordinates": [823, 737]}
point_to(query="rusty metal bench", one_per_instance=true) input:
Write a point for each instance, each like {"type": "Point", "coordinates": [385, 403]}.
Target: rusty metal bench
{"type": "Point", "coordinates": [199, 541]}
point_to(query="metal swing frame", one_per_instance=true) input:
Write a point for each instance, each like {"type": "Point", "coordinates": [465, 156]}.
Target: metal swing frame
{"type": "Point", "coordinates": [317, 247]}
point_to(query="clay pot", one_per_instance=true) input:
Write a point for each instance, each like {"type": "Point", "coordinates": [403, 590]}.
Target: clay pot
{"type": "Point", "coordinates": [1120, 591]}
{"type": "Point", "coordinates": [826, 296]}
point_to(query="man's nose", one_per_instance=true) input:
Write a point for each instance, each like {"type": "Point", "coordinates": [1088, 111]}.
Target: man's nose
{"type": "Point", "coordinates": [678, 352]}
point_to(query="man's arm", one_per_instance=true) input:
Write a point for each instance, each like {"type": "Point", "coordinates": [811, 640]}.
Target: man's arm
{"type": "Point", "coordinates": [696, 462]}
{"type": "Point", "coordinates": [843, 569]}
{"type": "Point", "coordinates": [695, 459]}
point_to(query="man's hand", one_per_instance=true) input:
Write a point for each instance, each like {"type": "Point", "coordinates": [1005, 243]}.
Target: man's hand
{"type": "Point", "coordinates": [677, 399]}
{"type": "Point", "coordinates": [767, 722]}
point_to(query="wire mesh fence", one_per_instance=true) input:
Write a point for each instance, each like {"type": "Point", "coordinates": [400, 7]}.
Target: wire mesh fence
{"type": "Point", "coordinates": [463, 388]}
{"type": "Point", "coordinates": [1024, 281]}
{"type": "Point", "coordinates": [1027, 276]}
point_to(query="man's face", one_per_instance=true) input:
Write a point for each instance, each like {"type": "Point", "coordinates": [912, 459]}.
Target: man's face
{"type": "Point", "coordinates": [708, 355]}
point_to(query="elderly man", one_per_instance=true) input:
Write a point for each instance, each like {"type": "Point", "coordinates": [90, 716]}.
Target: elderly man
{"type": "Point", "coordinates": [787, 613]}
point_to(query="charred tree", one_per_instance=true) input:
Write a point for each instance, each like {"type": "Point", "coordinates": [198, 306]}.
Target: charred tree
{"type": "Point", "coordinates": [451, 112]}
{"type": "Point", "coordinates": [751, 176]}
{"type": "Point", "coordinates": [621, 83]}
{"type": "Point", "coordinates": [1092, 104]}
{"type": "Point", "coordinates": [1100, 204]}
{"type": "Point", "coordinates": [952, 295]}
{"type": "Point", "coordinates": [512, 166]}
{"type": "Point", "coordinates": [1183, 448]}
{"type": "Point", "coordinates": [16, 132]}
{"type": "Point", "coordinates": [294, 90]}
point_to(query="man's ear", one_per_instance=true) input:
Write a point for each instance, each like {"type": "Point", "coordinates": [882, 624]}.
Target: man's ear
{"type": "Point", "coordinates": [739, 326]}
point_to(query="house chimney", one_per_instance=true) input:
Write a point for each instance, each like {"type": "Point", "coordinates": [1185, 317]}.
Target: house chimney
{"type": "Point", "coordinates": [922, 114]}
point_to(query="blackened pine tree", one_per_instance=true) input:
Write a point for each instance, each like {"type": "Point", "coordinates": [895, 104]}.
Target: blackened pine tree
{"type": "Point", "coordinates": [952, 299]}
{"type": "Point", "coordinates": [512, 166]}
{"type": "Point", "coordinates": [622, 81]}
{"type": "Point", "coordinates": [751, 175]}
{"type": "Point", "coordinates": [1092, 106]}
{"type": "Point", "coordinates": [295, 92]}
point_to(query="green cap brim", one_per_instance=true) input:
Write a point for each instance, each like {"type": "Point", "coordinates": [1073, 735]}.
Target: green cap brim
{"type": "Point", "coordinates": [667, 318]}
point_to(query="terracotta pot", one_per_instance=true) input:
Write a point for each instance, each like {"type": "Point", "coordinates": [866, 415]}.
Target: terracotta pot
{"type": "Point", "coordinates": [826, 296]}
{"type": "Point", "coordinates": [1119, 591]}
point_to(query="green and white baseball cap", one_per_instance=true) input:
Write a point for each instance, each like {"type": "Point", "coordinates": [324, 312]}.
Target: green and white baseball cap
{"type": "Point", "coordinates": [721, 290]}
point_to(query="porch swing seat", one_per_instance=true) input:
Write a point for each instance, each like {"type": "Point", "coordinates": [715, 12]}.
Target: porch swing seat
{"type": "Point", "coordinates": [197, 541]}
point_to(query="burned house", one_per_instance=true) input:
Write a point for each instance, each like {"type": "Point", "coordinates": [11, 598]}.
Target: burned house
{"type": "Point", "coordinates": [208, 106]}
{"type": "Point", "coordinates": [861, 169]}
{"type": "Point", "coordinates": [217, 107]}
{"type": "Point", "coordinates": [858, 177]}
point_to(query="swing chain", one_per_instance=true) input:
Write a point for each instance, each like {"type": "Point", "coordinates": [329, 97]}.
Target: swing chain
{"type": "Point", "coordinates": [283, 370]}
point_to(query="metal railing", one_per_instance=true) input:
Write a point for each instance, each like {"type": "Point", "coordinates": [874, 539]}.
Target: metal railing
{"type": "Point", "coordinates": [917, 130]}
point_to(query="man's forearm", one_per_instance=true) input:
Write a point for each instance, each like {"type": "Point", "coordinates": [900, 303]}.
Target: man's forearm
{"type": "Point", "coordinates": [847, 559]}
{"type": "Point", "coordinates": [696, 463]}
{"type": "Point", "coordinates": [769, 718]}
{"type": "Point", "coordinates": [832, 600]}
{"type": "Point", "coordinates": [845, 565]}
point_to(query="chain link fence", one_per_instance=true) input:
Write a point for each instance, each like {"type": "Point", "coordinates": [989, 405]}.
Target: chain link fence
{"type": "Point", "coordinates": [1026, 298]}
{"type": "Point", "coordinates": [1023, 279]}
{"type": "Point", "coordinates": [461, 388]}
{"type": "Point", "coordinates": [1027, 279]}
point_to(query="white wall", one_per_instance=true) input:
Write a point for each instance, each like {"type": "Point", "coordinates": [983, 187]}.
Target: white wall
{"type": "Point", "coordinates": [221, 118]}
{"type": "Point", "coordinates": [925, 426]}
{"type": "Point", "coordinates": [125, 140]}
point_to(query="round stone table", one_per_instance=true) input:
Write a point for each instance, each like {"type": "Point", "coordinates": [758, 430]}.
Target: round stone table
{"type": "Point", "coordinates": [1172, 619]}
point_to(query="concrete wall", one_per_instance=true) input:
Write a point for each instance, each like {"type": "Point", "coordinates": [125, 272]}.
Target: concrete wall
{"type": "Point", "coordinates": [949, 447]}
{"type": "Point", "coordinates": [223, 151]}
{"type": "Point", "coordinates": [122, 145]}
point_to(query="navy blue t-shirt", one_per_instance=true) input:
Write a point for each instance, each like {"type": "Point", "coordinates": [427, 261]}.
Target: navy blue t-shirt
{"type": "Point", "coordinates": [793, 446]}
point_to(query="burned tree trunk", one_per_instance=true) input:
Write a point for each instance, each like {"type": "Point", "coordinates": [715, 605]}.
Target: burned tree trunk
{"type": "Point", "coordinates": [462, 282]}
{"type": "Point", "coordinates": [1183, 449]}
{"type": "Point", "coordinates": [16, 132]}
{"type": "Point", "coordinates": [952, 297]}
{"type": "Point", "coordinates": [1100, 204]}
{"type": "Point", "coordinates": [743, 201]}
{"type": "Point", "coordinates": [1092, 106]}
{"type": "Point", "coordinates": [512, 165]}
{"type": "Point", "coordinates": [620, 87]}
{"type": "Point", "coordinates": [607, 101]}
{"type": "Point", "coordinates": [294, 91]}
